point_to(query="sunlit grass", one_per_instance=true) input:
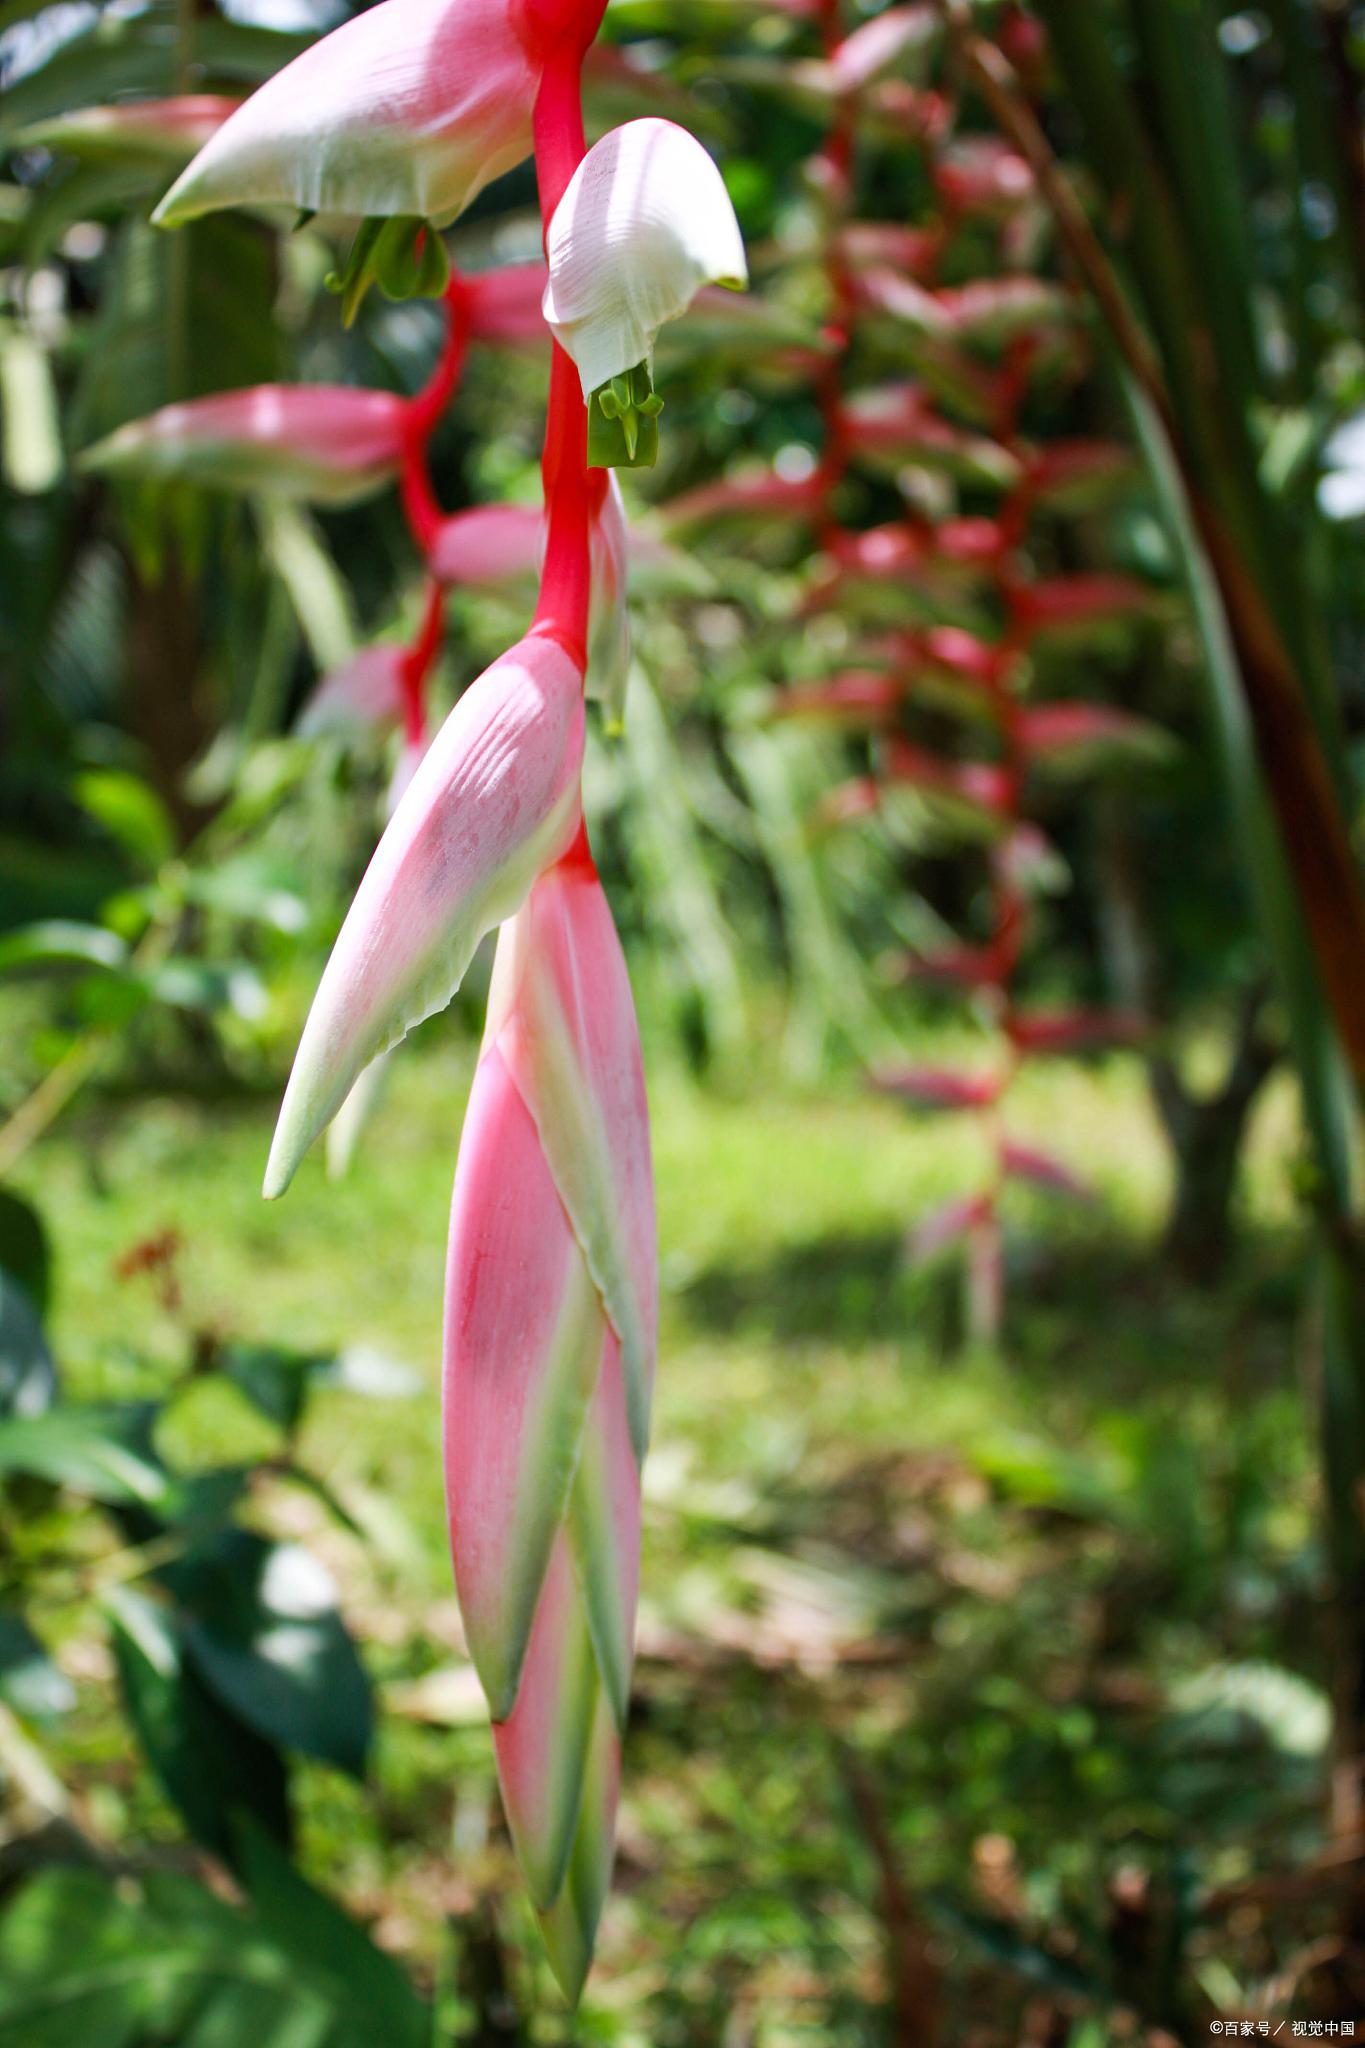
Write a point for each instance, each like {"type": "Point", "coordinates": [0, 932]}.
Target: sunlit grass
{"type": "Point", "coordinates": [1119, 1497]}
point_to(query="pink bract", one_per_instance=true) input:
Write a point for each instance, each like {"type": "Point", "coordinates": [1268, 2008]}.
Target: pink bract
{"type": "Point", "coordinates": [493, 800]}
{"type": "Point", "coordinates": [327, 442]}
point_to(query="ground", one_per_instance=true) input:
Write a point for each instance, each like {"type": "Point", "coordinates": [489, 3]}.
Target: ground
{"type": "Point", "coordinates": [980, 1681]}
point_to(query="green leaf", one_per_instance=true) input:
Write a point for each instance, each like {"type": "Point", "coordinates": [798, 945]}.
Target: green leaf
{"type": "Point", "coordinates": [32, 452]}
{"type": "Point", "coordinates": [59, 942]}
{"type": "Point", "coordinates": [1002, 1942]}
{"type": "Point", "coordinates": [403, 255]}
{"type": "Point", "coordinates": [274, 1380]}
{"type": "Point", "coordinates": [208, 1763]}
{"type": "Point", "coordinates": [262, 1628]}
{"type": "Point", "coordinates": [251, 887]}
{"type": "Point", "coordinates": [185, 984]}
{"type": "Point", "coordinates": [103, 1452]}
{"type": "Point", "coordinates": [297, 550]}
{"type": "Point", "coordinates": [28, 1376]}
{"type": "Point", "coordinates": [120, 55]}
{"type": "Point", "coordinates": [87, 1960]}
{"type": "Point", "coordinates": [24, 1252]}
{"type": "Point", "coordinates": [30, 1682]}
{"type": "Point", "coordinates": [130, 811]}
{"type": "Point", "coordinates": [329, 1948]}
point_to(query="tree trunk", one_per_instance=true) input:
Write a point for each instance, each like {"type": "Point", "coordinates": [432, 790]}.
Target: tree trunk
{"type": "Point", "coordinates": [1206, 1134]}
{"type": "Point", "coordinates": [163, 664]}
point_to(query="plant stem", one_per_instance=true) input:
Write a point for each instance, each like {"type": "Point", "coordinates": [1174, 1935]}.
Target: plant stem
{"type": "Point", "coordinates": [562, 609]}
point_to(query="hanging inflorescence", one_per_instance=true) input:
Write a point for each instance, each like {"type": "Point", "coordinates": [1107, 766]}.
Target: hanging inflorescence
{"type": "Point", "coordinates": [399, 118]}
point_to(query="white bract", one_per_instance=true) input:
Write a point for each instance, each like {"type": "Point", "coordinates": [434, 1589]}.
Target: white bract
{"type": "Point", "coordinates": [645, 223]}
{"type": "Point", "coordinates": [408, 109]}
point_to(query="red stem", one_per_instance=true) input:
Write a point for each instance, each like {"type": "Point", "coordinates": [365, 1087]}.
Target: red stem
{"type": "Point", "coordinates": [562, 608]}
{"type": "Point", "coordinates": [417, 665]}
{"type": "Point", "coordinates": [421, 507]}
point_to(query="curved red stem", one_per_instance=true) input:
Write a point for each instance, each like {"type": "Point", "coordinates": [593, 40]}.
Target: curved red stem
{"type": "Point", "coordinates": [562, 608]}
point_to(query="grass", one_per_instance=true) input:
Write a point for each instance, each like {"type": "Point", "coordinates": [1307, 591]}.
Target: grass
{"type": "Point", "coordinates": [987, 1660]}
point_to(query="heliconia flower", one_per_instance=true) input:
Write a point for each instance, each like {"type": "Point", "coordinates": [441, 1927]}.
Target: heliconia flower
{"type": "Point", "coordinates": [1041, 1170]}
{"type": "Point", "coordinates": [939, 1087]}
{"type": "Point", "coordinates": [973, 542]}
{"type": "Point", "coordinates": [1044, 1031]}
{"type": "Point", "coordinates": [988, 312]}
{"type": "Point", "coordinates": [907, 113]}
{"type": "Point", "coordinates": [559, 1001]}
{"type": "Point", "coordinates": [899, 420]}
{"type": "Point", "coordinates": [494, 799]}
{"type": "Point", "coordinates": [884, 288]}
{"type": "Point", "coordinates": [945, 1226]}
{"type": "Point", "coordinates": [504, 305]}
{"type": "Point", "coordinates": [646, 221]}
{"type": "Point", "coordinates": [1076, 475]}
{"type": "Point", "coordinates": [609, 642]}
{"type": "Point", "coordinates": [365, 691]}
{"type": "Point", "coordinates": [410, 108]}
{"type": "Point", "coordinates": [983, 786]}
{"type": "Point", "coordinates": [1067, 605]}
{"type": "Point", "coordinates": [488, 544]}
{"type": "Point", "coordinates": [872, 242]}
{"type": "Point", "coordinates": [960, 654]}
{"type": "Point", "coordinates": [991, 311]}
{"type": "Point", "coordinates": [876, 46]}
{"type": "Point", "coordinates": [551, 1319]}
{"type": "Point", "coordinates": [1072, 734]}
{"type": "Point", "coordinates": [170, 129]}
{"type": "Point", "coordinates": [982, 174]}
{"type": "Point", "coordinates": [883, 550]}
{"type": "Point", "coordinates": [862, 697]}
{"type": "Point", "coordinates": [943, 561]}
{"type": "Point", "coordinates": [988, 966]}
{"type": "Point", "coordinates": [494, 543]}
{"type": "Point", "coordinates": [766, 495]}
{"type": "Point", "coordinates": [328, 443]}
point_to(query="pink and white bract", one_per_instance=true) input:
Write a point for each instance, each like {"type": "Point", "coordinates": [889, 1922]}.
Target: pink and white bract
{"type": "Point", "coordinates": [551, 1316]}
{"type": "Point", "coordinates": [324, 442]}
{"type": "Point", "coordinates": [494, 799]}
{"type": "Point", "coordinates": [410, 108]}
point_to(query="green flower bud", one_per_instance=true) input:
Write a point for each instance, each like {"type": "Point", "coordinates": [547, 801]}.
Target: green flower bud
{"type": "Point", "coordinates": [404, 256]}
{"type": "Point", "coordinates": [623, 422]}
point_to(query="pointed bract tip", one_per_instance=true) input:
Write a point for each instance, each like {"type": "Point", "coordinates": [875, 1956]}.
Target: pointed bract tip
{"type": "Point", "coordinates": [278, 1173]}
{"type": "Point", "coordinates": [492, 802]}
